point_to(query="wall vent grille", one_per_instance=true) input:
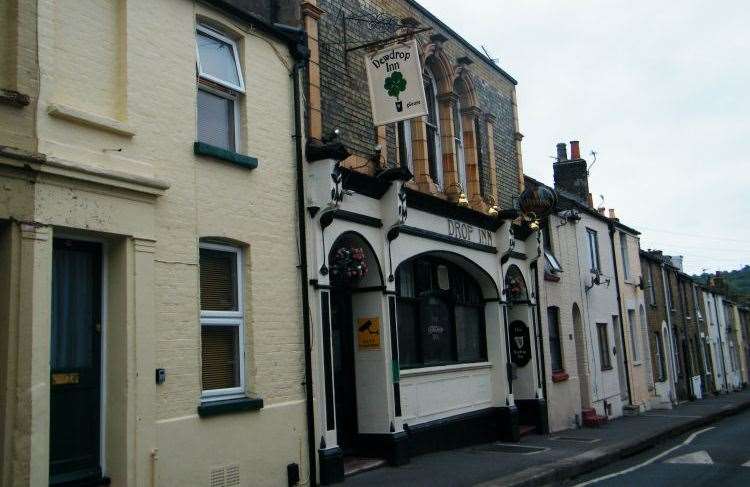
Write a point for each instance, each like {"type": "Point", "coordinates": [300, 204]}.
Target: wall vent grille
{"type": "Point", "coordinates": [226, 476]}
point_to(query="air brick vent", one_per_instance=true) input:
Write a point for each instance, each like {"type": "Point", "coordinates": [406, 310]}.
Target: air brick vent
{"type": "Point", "coordinates": [226, 476]}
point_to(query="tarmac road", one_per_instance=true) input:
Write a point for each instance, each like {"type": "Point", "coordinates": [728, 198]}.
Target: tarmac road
{"type": "Point", "coordinates": [718, 455]}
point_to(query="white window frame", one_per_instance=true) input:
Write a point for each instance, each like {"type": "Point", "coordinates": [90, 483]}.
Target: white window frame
{"type": "Point", "coordinates": [235, 110]}
{"type": "Point", "coordinates": [407, 144]}
{"type": "Point", "coordinates": [624, 255]}
{"type": "Point", "coordinates": [593, 238]}
{"type": "Point", "coordinates": [458, 144]}
{"type": "Point", "coordinates": [227, 318]}
{"type": "Point", "coordinates": [635, 341]}
{"type": "Point", "coordinates": [438, 135]}
{"type": "Point", "coordinates": [235, 51]}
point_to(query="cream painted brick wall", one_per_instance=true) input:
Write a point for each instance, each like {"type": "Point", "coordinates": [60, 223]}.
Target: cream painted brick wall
{"type": "Point", "coordinates": [155, 95]}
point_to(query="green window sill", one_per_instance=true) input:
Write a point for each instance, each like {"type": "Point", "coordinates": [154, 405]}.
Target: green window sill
{"type": "Point", "coordinates": [203, 149]}
{"type": "Point", "coordinates": [215, 408]}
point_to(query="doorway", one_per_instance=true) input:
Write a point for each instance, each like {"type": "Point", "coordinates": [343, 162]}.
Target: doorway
{"type": "Point", "coordinates": [75, 361]}
{"type": "Point", "coordinates": [342, 331]}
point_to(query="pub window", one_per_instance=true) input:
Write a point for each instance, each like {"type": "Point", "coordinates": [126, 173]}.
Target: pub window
{"type": "Point", "coordinates": [220, 83]}
{"type": "Point", "coordinates": [604, 357]}
{"type": "Point", "coordinates": [440, 315]}
{"type": "Point", "coordinates": [403, 140]}
{"type": "Point", "coordinates": [222, 321]}
{"type": "Point", "coordinates": [555, 347]}
{"type": "Point", "coordinates": [434, 149]}
{"type": "Point", "coordinates": [593, 250]}
{"type": "Point", "coordinates": [458, 144]}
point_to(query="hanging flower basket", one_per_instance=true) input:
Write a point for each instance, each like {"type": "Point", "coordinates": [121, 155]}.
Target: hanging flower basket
{"type": "Point", "coordinates": [349, 265]}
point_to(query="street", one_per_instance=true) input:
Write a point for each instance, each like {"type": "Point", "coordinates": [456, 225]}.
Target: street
{"type": "Point", "coordinates": [714, 455]}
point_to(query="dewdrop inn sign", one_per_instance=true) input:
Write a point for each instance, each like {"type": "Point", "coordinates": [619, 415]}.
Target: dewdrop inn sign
{"type": "Point", "coordinates": [394, 75]}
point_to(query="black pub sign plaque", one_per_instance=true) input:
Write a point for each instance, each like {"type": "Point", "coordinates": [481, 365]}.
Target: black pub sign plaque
{"type": "Point", "coordinates": [520, 343]}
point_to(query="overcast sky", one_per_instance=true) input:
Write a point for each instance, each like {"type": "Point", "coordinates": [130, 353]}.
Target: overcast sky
{"type": "Point", "coordinates": [660, 89]}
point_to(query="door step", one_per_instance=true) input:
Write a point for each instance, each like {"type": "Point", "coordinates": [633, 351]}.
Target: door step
{"type": "Point", "coordinates": [526, 429]}
{"type": "Point", "coordinates": [591, 419]}
{"type": "Point", "coordinates": [355, 465]}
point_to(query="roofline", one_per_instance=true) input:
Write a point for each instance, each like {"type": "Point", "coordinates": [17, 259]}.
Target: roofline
{"type": "Point", "coordinates": [463, 41]}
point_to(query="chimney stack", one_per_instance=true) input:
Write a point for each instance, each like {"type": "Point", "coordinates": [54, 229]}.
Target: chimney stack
{"type": "Point", "coordinates": [571, 175]}
{"type": "Point", "coordinates": [612, 214]}
{"type": "Point", "coordinates": [575, 151]}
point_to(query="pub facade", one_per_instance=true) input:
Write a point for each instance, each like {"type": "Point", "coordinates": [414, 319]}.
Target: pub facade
{"type": "Point", "coordinates": [422, 285]}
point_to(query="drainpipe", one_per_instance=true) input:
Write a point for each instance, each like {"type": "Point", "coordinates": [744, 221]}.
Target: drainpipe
{"type": "Point", "coordinates": [619, 312]}
{"type": "Point", "coordinates": [298, 47]}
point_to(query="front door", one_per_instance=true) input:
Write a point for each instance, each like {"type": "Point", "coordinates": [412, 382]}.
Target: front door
{"type": "Point", "coordinates": [75, 383]}
{"type": "Point", "coordinates": [342, 326]}
{"type": "Point", "coordinates": [620, 358]}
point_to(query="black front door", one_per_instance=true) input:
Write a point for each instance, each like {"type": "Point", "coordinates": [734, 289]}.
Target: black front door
{"type": "Point", "coordinates": [75, 361]}
{"type": "Point", "coordinates": [342, 326]}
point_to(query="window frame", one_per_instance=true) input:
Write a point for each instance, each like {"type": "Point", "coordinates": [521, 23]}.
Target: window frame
{"type": "Point", "coordinates": [652, 285]}
{"type": "Point", "coordinates": [404, 145]}
{"type": "Point", "coordinates": [635, 342]}
{"type": "Point", "coordinates": [458, 144]}
{"type": "Point", "coordinates": [594, 260]}
{"type": "Point", "coordinates": [233, 97]}
{"type": "Point", "coordinates": [660, 352]}
{"type": "Point", "coordinates": [554, 312]}
{"type": "Point", "coordinates": [432, 101]}
{"type": "Point", "coordinates": [206, 30]}
{"type": "Point", "coordinates": [604, 354]}
{"type": "Point", "coordinates": [226, 318]}
{"type": "Point", "coordinates": [624, 256]}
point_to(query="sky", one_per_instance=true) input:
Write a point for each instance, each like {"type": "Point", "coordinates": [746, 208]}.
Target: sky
{"type": "Point", "coordinates": [659, 89]}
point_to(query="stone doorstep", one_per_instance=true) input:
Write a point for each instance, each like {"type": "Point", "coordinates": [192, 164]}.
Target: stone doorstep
{"type": "Point", "coordinates": [589, 461]}
{"type": "Point", "coordinates": [355, 465]}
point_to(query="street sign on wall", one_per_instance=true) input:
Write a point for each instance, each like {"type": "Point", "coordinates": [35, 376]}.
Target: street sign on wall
{"type": "Point", "coordinates": [394, 75]}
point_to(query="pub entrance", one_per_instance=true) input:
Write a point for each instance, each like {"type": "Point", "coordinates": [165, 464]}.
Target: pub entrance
{"type": "Point", "coordinates": [342, 335]}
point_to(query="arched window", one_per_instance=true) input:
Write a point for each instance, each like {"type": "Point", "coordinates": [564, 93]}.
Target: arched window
{"type": "Point", "coordinates": [440, 314]}
{"type": "Point", "coordinates": [434, 148]}
{"type": "Point", "coordinates": [515, 285]}
{"type": "Point", "coordinates": [458, 143]}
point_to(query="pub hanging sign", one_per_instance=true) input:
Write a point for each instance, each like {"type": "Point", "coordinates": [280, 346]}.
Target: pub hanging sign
{"type": "Point", "coordinates": [520, 343]}
{"type": "Point", "coordinates": [394, 75]}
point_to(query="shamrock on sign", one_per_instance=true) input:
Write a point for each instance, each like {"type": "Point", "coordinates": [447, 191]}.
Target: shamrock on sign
{"type": "Point", "coordinates": [395, 84]}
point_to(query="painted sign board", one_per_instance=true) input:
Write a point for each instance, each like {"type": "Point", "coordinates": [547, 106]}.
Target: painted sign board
{"type": "Point", "coordinates": [394, 75]}
{"type": "Point", "coordinates": [520, 343]}
{"type": "Point", "coordinates": [368, 332]}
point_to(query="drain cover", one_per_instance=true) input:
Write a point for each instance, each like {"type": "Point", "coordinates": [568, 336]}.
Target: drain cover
{"type": "Point", "coordinates": [506, 448]}
{"type": "Point", "coordinates": [575, 438]}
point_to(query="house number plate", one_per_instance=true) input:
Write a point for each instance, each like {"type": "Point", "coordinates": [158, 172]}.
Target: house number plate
{"type": "Point", "coordinates": [67, 378]}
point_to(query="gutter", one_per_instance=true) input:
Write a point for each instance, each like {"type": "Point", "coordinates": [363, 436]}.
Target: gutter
{"type": "Point", "coordinates": [619, 312]}
{"type": "Point", "coordinates": [298, 46]}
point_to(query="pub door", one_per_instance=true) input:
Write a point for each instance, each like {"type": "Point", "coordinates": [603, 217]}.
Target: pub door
{"type": "Point", "coordinates": [342, 327]}
{"type": "Point", "coordinates": [75, 362]}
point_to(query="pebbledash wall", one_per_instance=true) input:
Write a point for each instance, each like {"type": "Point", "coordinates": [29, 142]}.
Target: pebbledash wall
{"type": "Point", "coordinates": [102, 149]}
{"type": "Point", "coordinates": [360, 199]}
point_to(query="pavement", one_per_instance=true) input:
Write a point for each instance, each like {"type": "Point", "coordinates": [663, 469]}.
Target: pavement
{"type": "Point", "coordinates": [554, 459]}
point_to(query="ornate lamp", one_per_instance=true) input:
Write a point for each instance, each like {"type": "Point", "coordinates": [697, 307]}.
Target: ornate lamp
{"type": "Point", "coordinates": [536, 203]}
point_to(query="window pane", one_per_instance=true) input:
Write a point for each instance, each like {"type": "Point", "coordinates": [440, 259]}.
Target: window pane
{"type": "Point", "coordinates": [469, 334]}
{"type": "Point", "coordinates": [601, 329]}
{"type": "Point", "coordinates": [220, 345]}
{"type": "Point", "coordinates": [216, 59]}
{"type": "Point", "coordinates": [218, 270]}
{"type": "Point", "coordinates": [407, 336]}
{"type": "Point", "coordinates": [554, 339]}
{"type": "Point", "coordinates": [216, 120]}
{"type": "Point", "coordinates": [437, 331]}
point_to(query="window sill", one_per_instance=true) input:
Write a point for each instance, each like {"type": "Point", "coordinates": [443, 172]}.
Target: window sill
{"type": "Point", "coordinates": [560, 376]}
{"type": "Point", "coordinates": [91, 119]}
{"type": "Point", "coordinates": [203, 149]}
{"type": "Point", "coordinates": [440, 369]}
{"type": "Point", "coordinates": [215, 408]}
{"type": "Point", "coordinates": [607, 369]}
{"type": "Point", "coordinates": [637, 363]}
{"type": "Point", "coordinates": [551, 277]}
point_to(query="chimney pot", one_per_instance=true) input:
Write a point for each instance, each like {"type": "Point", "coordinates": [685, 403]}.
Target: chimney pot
{"type": "Point", "coordinates": [612, 214]}
{"type": "Point", "coordinates": [562, 152]}
{"type": "Point", "coordinates": [575, 150]}
{"type": "Point", "coordinates": [601, 210]}
{"type": "Point", "coordinates": [590, 200]}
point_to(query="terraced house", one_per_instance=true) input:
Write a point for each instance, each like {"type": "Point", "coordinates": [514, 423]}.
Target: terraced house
{"type": "Point", "coordinates": [150, 325]}
{"type": "Point", "coordinates": [422, 277]}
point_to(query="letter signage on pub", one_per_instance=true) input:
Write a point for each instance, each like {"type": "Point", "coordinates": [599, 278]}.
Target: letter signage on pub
{"type": "Point", "coordinates": [394, 75]}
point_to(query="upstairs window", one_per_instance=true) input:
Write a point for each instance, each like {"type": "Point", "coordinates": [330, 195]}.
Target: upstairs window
{"type": "Point", "coordinates": [403, 139]}
{"type": "Point", "coordinates": [434, 149]}
{"type": "Point", "coordinates": [604, 357]}
{"type": "Point", "coordinates": [624, 255]}
{"type": "Point", "coordinates": [593, 251]}
{"type": "Point", "coordinates": [551, 264]}
{"type": "Point", "coordinates": [651, 285]}
{"type": "Point", "coordinates": [458, 145]}
{"type": "Point", "coordinates": [220, 83]}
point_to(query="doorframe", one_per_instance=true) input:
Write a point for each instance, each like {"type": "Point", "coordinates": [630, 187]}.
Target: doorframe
{"type": "Point", "coordinates": [103, 335]}
{"type": "Point", "coordinates": [338, 292]}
